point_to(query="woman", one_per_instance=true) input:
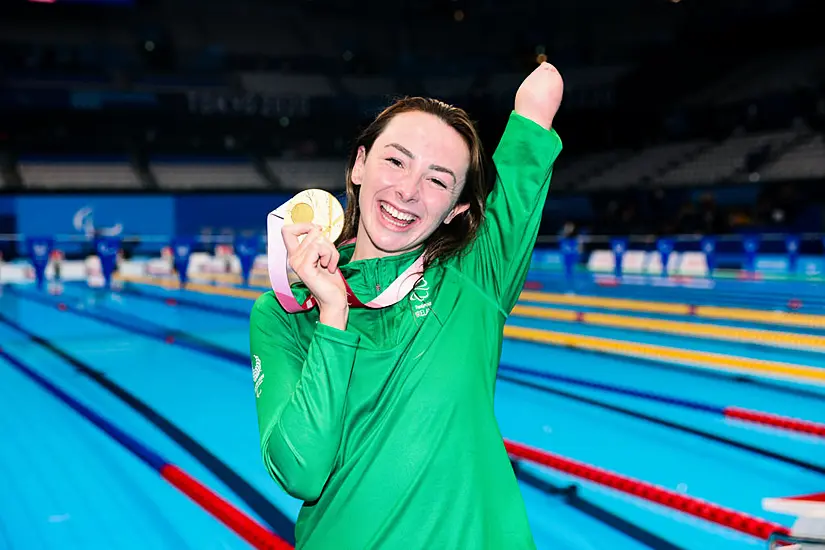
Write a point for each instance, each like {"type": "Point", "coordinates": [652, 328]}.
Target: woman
{"type": "Point", "coordinates": [382, 420]}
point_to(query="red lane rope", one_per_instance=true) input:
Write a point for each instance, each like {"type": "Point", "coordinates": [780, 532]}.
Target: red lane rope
{"type": "Point", "coordinates": [784, 422]}
{"type": "Point", "coordinates": [251, 531]}
{"type": "Point", "coordinates": [708, 511]}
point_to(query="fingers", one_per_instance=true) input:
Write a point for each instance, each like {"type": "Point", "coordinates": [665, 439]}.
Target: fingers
{"type": "Point", "coordinates": [328, 255]}
{"type": "Point", "coordinates": [313, 251]}
{"type": "Point", "coordinates": [292, 232]}
{"type": "Point", "coordinates": [318, 248]}
{"type": "Point", "coordinates": [333, 264]}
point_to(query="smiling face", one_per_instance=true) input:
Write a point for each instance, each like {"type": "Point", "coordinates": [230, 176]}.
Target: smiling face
{"type": "Point", "coordinates": [409, 183]}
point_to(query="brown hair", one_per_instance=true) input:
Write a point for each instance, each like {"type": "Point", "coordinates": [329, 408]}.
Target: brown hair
{"type": "Point", "coordinates": [449, 239]}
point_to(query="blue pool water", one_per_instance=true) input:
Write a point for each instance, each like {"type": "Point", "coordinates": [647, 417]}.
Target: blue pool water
{"type": "Point", "coordinates": [67, 484]}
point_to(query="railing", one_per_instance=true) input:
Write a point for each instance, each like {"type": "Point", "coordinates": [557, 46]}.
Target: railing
{"type": "Point", "coordinates": [751, 256]}
{"type": "Point", "coordinates": [788, 254]}
{"type": "Point", "coordinates": [103, 255]}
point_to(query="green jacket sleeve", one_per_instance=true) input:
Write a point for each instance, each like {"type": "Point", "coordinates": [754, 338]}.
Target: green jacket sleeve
{"type": "Point", "coordinates": [500, 258]}
{"type": "Point", "coordinates": [300, 392]}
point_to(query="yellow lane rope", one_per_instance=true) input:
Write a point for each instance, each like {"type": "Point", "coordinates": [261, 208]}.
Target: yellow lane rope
{"type": "Point", "coordinates": [710, 312]}
{"type": "Point", "coordinates": [700, 359]}
{"type": "Point", "coordinates": [196, 287]}
{"type": "Point", "coordinates": [685, 328]}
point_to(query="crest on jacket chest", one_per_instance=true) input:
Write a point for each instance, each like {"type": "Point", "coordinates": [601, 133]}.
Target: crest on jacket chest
{"type": "Point", "coordinates": [420, 299]}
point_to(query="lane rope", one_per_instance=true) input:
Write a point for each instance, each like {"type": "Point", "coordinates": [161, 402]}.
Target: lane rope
{"type": "Point", "coordinates": [243, 525]}
{"type": "Point", "coordinates": [690, 505]}
{"type": "Point", "coordinates": [708, 511]}
{"type": "Point", "coordinates": [711, 312]}
{"type": "Point", "coordinates": [760, 337]}
{"type": "Point", "coordinates": [749, 415]}
{"type": "Point", "coordinates": [713, 361]}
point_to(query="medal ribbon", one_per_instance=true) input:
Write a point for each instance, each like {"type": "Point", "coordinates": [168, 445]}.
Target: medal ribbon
{"type": "Point", "coordinates": [279, 279]}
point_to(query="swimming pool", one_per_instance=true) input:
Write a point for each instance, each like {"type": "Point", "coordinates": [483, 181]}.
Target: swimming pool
{"type": "Point", "coordinates": [170, 369]}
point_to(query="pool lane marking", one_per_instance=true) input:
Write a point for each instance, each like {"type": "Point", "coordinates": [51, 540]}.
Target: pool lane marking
{"type": "Point", "coordinates": [711, 312]}
{"type": "Point", "coordinates": [807, 342]}
{"type": "Point", "coordinates": [243, 361]}
{"type": "Point", "coordinates": [617, 522]}
{"type": "Point", "coordinates": [239, 522]}
{"type": "Point", "coordinates": [701, 359]}
{"type": "Point", "coordinates": [704, 360]}
{"type": "Point", "coordinates": [651, 419]}
{"type": "Point", "coordinates": [275, 518]}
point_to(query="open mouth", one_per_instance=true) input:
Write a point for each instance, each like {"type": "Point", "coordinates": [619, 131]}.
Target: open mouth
{"type": "Point", "coordinates": [396, 217]}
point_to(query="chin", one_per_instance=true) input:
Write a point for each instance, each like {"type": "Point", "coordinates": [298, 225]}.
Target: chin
{"type": "Point", "coordinates": [392, 243]}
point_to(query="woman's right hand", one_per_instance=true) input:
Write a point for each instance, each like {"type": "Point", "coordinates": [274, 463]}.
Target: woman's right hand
{"type": "Point", "coordinates": [315, 261]}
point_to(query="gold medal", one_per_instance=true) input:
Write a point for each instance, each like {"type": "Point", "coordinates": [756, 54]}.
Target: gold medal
{"type": "Point", "coordinates": [318, 207]}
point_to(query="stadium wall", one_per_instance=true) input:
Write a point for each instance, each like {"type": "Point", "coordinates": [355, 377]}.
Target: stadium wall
{"type": "Point", "coordinates": [153, 219]}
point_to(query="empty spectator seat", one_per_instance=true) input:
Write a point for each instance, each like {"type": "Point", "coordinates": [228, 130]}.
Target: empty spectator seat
{"type": "Point", "coordinates": [647, 164]}
{"type": "Point", "coordinates": [185, 174]}
{"type": "Point", "coordinates": [805, 161]}
{"type": "Point", "coordinates": [722, 162]}
{"type": "Point", "coordinates": [299, 174]}
{"type": "Point", "coordinates": [58, 173]}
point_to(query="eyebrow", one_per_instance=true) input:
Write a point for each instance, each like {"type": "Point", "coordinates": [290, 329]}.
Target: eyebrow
{"type": "Point", "coordinates": [435, 167]}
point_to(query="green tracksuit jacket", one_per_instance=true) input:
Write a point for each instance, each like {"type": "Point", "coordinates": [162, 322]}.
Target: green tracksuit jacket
{"type": "Point", "coordinates": [387, 430]}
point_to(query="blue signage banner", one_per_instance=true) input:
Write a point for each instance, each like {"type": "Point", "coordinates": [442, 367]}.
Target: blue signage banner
{"type": "Point", "coordinates": [6, 206]}
{"type": "Point", "coordinates": [224, 214]}
{"type": "Point", "coordinates": [93, 216]}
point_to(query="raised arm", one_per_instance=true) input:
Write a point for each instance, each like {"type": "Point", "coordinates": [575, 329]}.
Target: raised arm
{"type": "Point", "coordinates": [300, 396]}
{"type": "Point", "coordinates": [523, 162]}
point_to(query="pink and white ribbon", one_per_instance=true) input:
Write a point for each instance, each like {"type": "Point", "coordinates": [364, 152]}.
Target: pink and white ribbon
{"type": "Point", "coordinates": [279, 278]}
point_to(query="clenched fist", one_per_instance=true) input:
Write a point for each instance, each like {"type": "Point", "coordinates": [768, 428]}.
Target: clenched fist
{"type": "Point", "coordinates": [314, 259]}
{"type": "Point", "coordinates": [539, 96]}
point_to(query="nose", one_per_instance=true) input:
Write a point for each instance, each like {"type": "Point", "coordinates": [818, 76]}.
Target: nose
{"type": "Point", "coordinates": [407, 188]}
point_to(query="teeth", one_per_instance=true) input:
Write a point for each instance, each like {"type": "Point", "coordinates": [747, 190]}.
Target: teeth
{"type": "Point", "coordinates": [397, 214]}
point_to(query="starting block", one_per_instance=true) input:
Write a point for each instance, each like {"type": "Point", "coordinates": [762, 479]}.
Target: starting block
{"type": "Point", "coordinates": [808, 531]}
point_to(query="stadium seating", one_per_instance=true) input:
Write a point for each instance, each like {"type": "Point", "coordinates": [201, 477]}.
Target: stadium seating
{"type": "Point", "coordinates": [287, 85]}
{"type": "Point", "coordinates": [790, 154]}
{"type": "Point", "coordinates": [805, 161]}
{"type": "Point", "coordinates": [59, 173]}
{"type": "Point", "coordinates": [781, 72]}
{"type": "Point", "coordinates": [368, 86]}
{"type": "Point", "coordinates": [570, 173]}
{"type": "Point", "coordinates": [203, 174]}
{"type": "Point", "coordinates": [296, 175]}
{"type": "Point", "coordinates": [646, 164]}
{"type": "Point", "coordinates": [725, 160]}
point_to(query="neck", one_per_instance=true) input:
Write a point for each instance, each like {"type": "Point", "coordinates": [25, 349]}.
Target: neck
{"type": "Point", "coordinates": [365, 249]}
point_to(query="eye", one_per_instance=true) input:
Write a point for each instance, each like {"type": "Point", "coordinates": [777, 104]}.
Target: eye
{"type": "Point", "coordinates": [439, 182]}
{"type": "Point", "coordinates": [395, 161]}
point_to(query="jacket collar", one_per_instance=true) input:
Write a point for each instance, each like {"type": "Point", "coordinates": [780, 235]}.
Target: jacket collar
{"type": "Point", "coordinates": [367, 277]}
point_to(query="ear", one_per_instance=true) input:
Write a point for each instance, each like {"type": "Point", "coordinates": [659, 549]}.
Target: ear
{"type": "Point", "coordinates": [358, 167]}
{"type": "Point", "coordinates": [456, 211]}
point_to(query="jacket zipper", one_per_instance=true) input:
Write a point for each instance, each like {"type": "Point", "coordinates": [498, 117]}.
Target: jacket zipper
{"type": "Point", "coordinates": [381, 316]}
